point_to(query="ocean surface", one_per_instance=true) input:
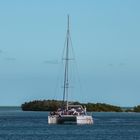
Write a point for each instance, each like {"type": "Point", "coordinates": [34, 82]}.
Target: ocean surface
{"type": "Point", "coordinates": [18, 125]}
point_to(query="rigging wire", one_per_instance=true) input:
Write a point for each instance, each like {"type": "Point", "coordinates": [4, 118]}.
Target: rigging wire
{"type": "Point", "coordinates": [59, 71]}
{"type": "Point", "coordinates": [62, 62]}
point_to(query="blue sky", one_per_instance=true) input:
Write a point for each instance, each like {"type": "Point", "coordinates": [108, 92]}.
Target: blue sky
{"type": "Point", "coordinates": [105, 36]}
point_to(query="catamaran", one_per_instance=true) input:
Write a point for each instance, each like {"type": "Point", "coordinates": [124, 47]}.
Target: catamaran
{"type": "Point", "coordinates": [69, 113]}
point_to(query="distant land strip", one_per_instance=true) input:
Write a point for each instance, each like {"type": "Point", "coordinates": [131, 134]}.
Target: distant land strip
{"type": "Point", "coordinates": [53, 105]}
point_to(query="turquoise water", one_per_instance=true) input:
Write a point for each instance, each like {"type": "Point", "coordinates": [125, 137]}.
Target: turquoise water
{"type": "Point", "coordinates": [18, 125]}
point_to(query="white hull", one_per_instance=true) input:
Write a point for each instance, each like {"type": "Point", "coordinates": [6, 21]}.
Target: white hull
{"type": "Point", "coordinates": [81, 119]}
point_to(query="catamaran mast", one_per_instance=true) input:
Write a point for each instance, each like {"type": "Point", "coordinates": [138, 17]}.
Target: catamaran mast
{"type": "Point", "coordinates": [66, 73]}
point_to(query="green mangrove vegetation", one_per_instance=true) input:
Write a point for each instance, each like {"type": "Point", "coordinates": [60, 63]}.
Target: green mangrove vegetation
{"type": "Point", "coordinates": [52, 105]}
{"type": "Point", "coordinates": [136, 108]}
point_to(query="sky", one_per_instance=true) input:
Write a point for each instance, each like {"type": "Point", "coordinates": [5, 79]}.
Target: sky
{"type": "Point", "coordinates": [106, 41]}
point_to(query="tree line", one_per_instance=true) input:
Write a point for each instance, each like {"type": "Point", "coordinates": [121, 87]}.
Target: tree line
{"type": "Point", "coordinates": [53, 105]}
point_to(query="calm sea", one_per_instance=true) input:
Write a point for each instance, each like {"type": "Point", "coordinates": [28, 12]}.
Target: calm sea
{"type": "Point", "coordinates": [18, 125]}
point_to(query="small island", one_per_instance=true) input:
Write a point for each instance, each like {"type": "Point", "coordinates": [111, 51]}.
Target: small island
{"type": "Point", "coordinates": [52, 105]}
